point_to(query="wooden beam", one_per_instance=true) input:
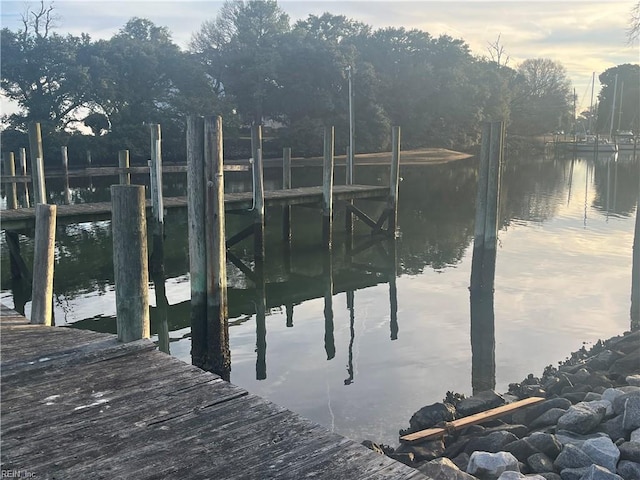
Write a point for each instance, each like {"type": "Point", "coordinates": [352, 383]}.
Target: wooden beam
{"type": "Point", "coordinates": [471, 420]}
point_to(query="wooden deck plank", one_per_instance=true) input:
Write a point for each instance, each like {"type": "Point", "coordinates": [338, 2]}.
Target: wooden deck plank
{"type": "Point", "coordinates": [107, 410]}
{"type": "Point", "coordinates": [23, 218]}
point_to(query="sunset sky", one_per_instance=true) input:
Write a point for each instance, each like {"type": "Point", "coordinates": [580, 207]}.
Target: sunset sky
{"type": "Point", "coordinates": [584, 36]}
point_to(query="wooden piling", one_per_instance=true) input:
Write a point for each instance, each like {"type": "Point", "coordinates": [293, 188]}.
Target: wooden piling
{"type": "Point", "coordinates": [327, 187]}
{"type": "Point", "coordinates": [157, 204]}
{"type": "Point", "coordinates": [37, 163]}
{"type": "Point", "coordinates": [24, 195]}
{"type": "Point", "coordinates": [219, 355]}
{"type": "Point", "coordinates": [258, 208]}
{"type": "Point", "coordinates": [394, 179]}
{"type": "Point", "coordinates": [43, 263]}
{"type": "Point", "coordinates": [197, 246]}
{"type": "Point", "coordinates": [493, 184]}
{"type": "Point", "coordinates": [635, 274]}
{"type": "Point", "coordinates": [130, 265]}
{"type": "Point", "coordinates": [65, 168]}
{"type": "Point", "coordinates": [348, 218]}
{"type": "Point", "coordinates": [123, 162]}
{"type": "Point", "coordinates": [286, 184]}
{"type": "Point", "coordinates": [256, 140]}
{"type": "Point", "coordinates": [12, 191]}
{"type": "Point", "coordinates": [207, 251]}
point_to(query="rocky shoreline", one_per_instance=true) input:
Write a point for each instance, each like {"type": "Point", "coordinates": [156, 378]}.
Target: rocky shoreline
{"type": "Point", "coordinates": [587, 428]}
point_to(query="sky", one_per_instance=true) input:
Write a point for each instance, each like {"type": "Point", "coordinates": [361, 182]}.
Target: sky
{"type": "Point", "coordinates": [584, 36]}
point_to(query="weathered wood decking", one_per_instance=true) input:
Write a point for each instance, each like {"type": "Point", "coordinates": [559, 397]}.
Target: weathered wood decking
{"type": "Point", "coordinates": [77, 404]}
{"type": "Point", "coordinates": [22, 218]}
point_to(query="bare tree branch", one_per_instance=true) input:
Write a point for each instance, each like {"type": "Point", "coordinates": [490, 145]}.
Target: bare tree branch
{"type": "Point", "coordinates": [633, 32]}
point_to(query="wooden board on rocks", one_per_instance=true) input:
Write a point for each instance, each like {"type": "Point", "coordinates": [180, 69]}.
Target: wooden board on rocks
{"type": "Point", "coordinates": [77, 404]}
{"type": "Point", "coordinates": [471, 420]}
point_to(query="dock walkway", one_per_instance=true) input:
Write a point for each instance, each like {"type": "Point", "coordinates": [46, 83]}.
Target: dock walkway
{"type": "Point", "coordinates": [22, 218]}
{"type": "Point", "coordinates": [78, 404]}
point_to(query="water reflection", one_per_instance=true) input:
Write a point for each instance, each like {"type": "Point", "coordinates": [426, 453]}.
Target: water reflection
{"type": "Point", "coordinates": [387, 286]}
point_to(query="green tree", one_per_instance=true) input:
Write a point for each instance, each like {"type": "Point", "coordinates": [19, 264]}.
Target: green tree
{"type": "Point", "coordinates": [542, 98]}
{"type": "Point", "coordinates": [627, 99]}
{"type": "Point", "coordinates": [240, 50]}
{"type": "Point", "coordinates": [41, 74]}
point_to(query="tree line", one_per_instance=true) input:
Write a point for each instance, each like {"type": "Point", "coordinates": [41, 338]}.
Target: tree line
{"type": "Point", "coordinates": [252, 65]}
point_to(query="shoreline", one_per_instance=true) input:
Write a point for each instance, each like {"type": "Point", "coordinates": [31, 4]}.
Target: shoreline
{"type": "Point", "coordinates": [592, 404]}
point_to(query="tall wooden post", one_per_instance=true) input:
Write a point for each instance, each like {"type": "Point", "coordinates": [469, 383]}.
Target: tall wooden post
{"type": "Point", "coordinates": [394, 178]}
{"type": "Point", "coordinates": [37, 163]}
{"type": "Point", "coordinates": [258, 209]}
{"type": "Point", "coordinates": [481, 208]}
{"type": "Point", "coordinates": [157, 204]}
{"type": "Point", "coordinates": [286, 184]}
{"type": "Point", "coordinates": [24, 196]}
{"type": "Point", "coordinates": [12, 191]}
{"type": "Point", "coordinates": [635, 274]}
{"type": "Point", "coordinates": [65, 168]}
{"type": "Point", "coordinates": [123, 162]}
{"type": "Point", "coordinates": [256, 140]}
{"type": "Point", "coordinates": [207, 253]}
{"type": "Point", "coordinates": [327, 187]}
{"type": "Point", "coordinates": [131, 273]}
{"type": "Point", "coordinates": [43, 262]}
{"type": "Point", "coordinates": [348, 218]}
{"type": "Point", "coordinates": [196, 203]}
{"type": "Point", "coordinates": [219, 358]}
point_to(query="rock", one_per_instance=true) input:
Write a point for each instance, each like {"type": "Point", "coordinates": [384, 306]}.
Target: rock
{"type": "Point", "coordinates": [428, 416]}
{"type": "Point", "coordinates": [631, 415]}
{"type": "Point", "coordinates": [626, 365]}
{"type": "Point", "coordinates": [511, 475]}
{"type": "Point", "coordinates": [596, 472]}
{"type": "Point", "coordinates": [455, 448]}
{"type": "Point", "coordinates": [422, 451]}
{"type": "Point", "coordinates": [461, 461]}
{"type": "Point", "coordinates": [582, 417]}
{"type": "Point", "coordinates": [550, 476]}
{"type": "Point", "coordinates": [635, 435]}
{"type": "Point", "coordinates": [494, 442]}
{"type": "Point", "coordinates": [573, 473]}
{"type": "Point", "coordinates": [374, 446]}
{"type": "Point", "coordinates": [630, 451]}
{"type": "Point", "coordinates": [489, 466]}
{"type": "Point", "coordinates": [603, 452]}
{"type": "Point", "coordinates": [540, 463]}
{"type": "Point", "coordinates": [546, 443]}
{"type": "Point", "coordinates": [443, 469]}
{"type": "Point", "coordinates": [628, 343]}
{"type": "Point", "coordinates": [618, 402]}
{"type": "Point", "coordinates": [550, 417]}
{"type": "Point", "coordinates": [565, 437]}
{"type": "Point", "coordinates": [527, 415]}
{"type": "Point", "coordinates": [613, 428]}
{"type": "Point", "coordinates": [611, 394]}
{"type": "Point", "coordinates": [606, 404]}
{"type": "Point", "coordinates": [603, 360]}
{"type": "Point", "coordinates": [633, 380]}
{"type": "Point", "coordinates": [590, 396]}
{"type": "Point", "coordinates": [521, 449]}
{"type": "Point", "coordinates": [518, 430]}
{"type": "Point", "coordinates": [629, 470]}
{"type": "Point", "coordinates": [571, 457]}
{"type": "Point", "coordinates": [479, 403]}
{"type": "Point", "coordinates": [575, 397]}
{"type": "Point", "coordinates": [408, 458]}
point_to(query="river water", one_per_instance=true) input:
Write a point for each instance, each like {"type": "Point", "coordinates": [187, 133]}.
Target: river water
{"type": "Point", "coordinates": [362, 359]}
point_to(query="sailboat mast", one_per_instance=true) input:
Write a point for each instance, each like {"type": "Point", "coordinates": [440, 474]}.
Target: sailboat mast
{"type": "Point", "coordinates": [613, 107]}
{"type": "Point", "coordinates": [620, 108]}
{"type": "Point", "coordinates": [593, 82]}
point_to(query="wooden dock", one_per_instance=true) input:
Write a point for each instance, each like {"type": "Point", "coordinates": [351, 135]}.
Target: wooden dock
{"type": "Point", "coordinates": [24, 218]}
{"type": "Point", "coordinates": [78, 404]}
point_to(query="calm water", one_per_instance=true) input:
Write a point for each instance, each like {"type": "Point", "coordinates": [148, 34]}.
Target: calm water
{"type": "Point", "coordinates": [563, 278]}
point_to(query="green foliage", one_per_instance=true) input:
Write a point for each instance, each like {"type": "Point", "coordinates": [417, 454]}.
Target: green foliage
{"type": "Point", "coordinates": [627, 97]}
